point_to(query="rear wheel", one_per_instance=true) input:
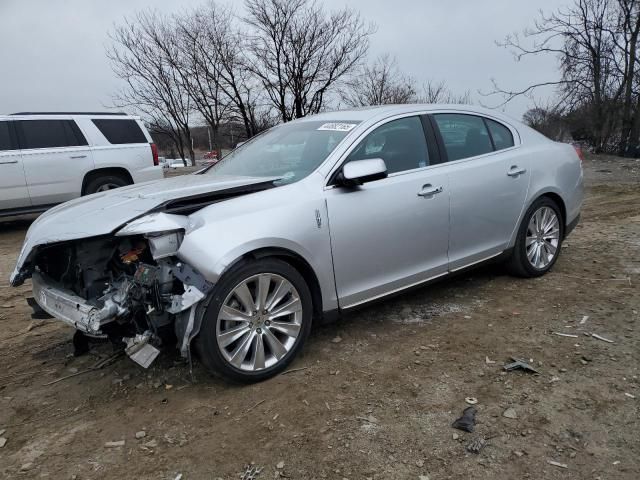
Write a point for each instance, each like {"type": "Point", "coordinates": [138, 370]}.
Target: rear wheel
{"type": "Point", "coordinates": [104, 183]}
{"type": "Point", "coordinates": [539, 240]}
{"type": "Point", "coordinates": [256, 321]}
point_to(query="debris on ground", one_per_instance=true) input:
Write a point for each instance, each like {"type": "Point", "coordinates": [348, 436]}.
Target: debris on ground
{"type": "Point", "coordinates": [471, 400]}
{"type": "Point", "coordinates": [467, 421]}
{"type": "Point", "coordinates": [251, 472]}
{"type": "Point", "coordinates": [280, 465]}
{"type": "Point", "coordinates": [599, 337]}
{"type": "Point", "coordinates": [584, 319]}
{"type": "Point", "coordinates": [476, 445]}
{"type": "Point", "coordinates": [560, 334]}
{"type": "Point", "coordinates": [117, 443]}
{"type": "Point", "coordinates": [3, 442]}
{"type": "Point", "coordinates": [141, 434]}
{"type": "Point", "coordinates": [488, 361]}
{"type": "Point", "coordinates": [627, 394]}
{"type": "Point", "coordinates": [337, 339]}
{"type": "Point", "coordinates": [510, 413]}
{"type": "Point", "coordinates": [557, 464]}
{"type": "Point", "coordinates": [518, 364]}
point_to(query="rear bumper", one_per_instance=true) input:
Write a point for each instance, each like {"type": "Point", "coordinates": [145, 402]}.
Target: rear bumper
{"type": "Point", "coordinates": [70, 308]}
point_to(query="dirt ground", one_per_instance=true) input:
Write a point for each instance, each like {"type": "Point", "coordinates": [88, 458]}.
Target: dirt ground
{"type": "Point", "coordinates": [372, 396]}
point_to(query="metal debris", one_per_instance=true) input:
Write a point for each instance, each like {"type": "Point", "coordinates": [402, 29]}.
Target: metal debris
{"type": "Point", "coordinates": [595, 335]}
{"type": "Point", "coordinates": [584, 319]}
{"type": "Point", "coordinates": [557, 464]}
{"type": "Point", "coordinates": [518, 364]}
{"type": "Point", "coordinates": [471, 400]}
{"type": "Point", "coordinates": [467, 421]}
{"type": "Point", "coordinates": [251, 472]}
{"type": "Point", "coordinates": [571, 335]}
{"type": "Point", "coordinates": [476, 445]}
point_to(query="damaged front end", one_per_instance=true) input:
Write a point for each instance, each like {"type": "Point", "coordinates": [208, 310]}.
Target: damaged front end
{"type": "Point", "coordinates": [130, 287]}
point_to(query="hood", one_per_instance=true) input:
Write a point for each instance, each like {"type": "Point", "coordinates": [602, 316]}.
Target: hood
{"type": "Point", "coordinates": [105, 212]}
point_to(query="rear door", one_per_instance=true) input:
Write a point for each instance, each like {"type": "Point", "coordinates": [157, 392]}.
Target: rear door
{"type": "Point", "coordinates": [56, 157]}
{"type": "Point", "coordinates": [488, 181]}
{"type": "Point", "coordinates": [13, 186]}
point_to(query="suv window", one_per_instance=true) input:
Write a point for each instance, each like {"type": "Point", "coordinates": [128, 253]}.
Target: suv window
{"type": "Point", "coordinates": [49, 134]}
{"type": "Point", "coordinates": [400, 143]}
{"type": "Point", "coordinates": [118, 131]}
{"type": "Point", "coordinates": [501, 135]}
{"type": "Point", "coordinates": [6, 137]}
{"type": "Point", "coordinates": [464, 136]}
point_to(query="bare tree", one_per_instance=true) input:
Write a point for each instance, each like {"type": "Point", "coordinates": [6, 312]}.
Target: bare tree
{"type": "Point", "coordinates": [595, 43]}
{"type": "Point", "coordinates": [438, 92]}
{"type": "Point", "coordinates": [154, 86]}
{"type": "Point", "coordinates": [299, 52]}
{"type": "Point", "coordinates": [378, 84]}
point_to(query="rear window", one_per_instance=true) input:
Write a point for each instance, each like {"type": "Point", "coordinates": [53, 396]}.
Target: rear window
{"type": "Point", "coordinates": [502, 137]}
{"type": "Point", "coordinates": [49, 134]}
{"type": "Point", "coordinates": [6, 138]}
{"type": "Point", "coordinates": [120, 131]}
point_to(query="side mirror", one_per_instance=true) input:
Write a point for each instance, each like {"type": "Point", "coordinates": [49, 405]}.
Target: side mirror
{"type": "Point", "coordinates": [358, 172]}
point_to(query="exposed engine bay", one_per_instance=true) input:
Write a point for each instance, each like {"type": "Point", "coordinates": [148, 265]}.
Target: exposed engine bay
{"type": "Point", "coordinates": [131, 289]}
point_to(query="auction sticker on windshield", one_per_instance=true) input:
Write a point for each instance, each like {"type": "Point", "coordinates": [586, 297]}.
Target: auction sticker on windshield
{"type": "Point", "coordinates": [337, 127]}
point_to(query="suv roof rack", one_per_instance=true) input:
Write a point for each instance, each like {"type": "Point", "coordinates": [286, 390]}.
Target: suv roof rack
{"type": "Point", "coordinates": [69, 113]}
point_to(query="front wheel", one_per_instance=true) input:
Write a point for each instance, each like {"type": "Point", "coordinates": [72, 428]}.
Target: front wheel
{"type": "Point", "coordinates": [256, 321]}
{"type": "Point", "coordinates": [539, 240]}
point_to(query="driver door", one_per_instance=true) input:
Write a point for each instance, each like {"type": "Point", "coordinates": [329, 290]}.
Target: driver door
{"type": "Point", "coordinates": [390, 234]}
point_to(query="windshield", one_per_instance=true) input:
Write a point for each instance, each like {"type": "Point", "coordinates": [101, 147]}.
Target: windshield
{"type": "Point", "coordinates": [290, 151]}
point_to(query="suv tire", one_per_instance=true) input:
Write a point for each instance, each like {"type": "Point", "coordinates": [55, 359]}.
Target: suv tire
{"type": "Point", "coordinates": [104, 183]}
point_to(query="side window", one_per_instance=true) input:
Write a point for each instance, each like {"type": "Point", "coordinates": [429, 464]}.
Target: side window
{"type": "Point", "coordinates": [6, 137]}
{"type": "Point", "coordinates": [400, 143]}
{"type": "Point", "coordinates": [50, 134]}
{"type": "Point", "coordinates": [118, 131]}
{"type": "Point", "coordinates": [464, 136]}
{"type": "Point", "coordinates": [502, 137]}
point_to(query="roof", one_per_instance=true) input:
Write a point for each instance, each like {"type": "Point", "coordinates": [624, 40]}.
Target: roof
{"type": "Point", "coordinates": [68, 113]}
{"type": "Point", "coordinates": [381, 111]}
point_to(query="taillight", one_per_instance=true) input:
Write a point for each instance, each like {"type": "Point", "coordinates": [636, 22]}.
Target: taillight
{"type": "Point", "coordinates": [579, 152]}
{"type": "Point", "coordinates": [154, 152]}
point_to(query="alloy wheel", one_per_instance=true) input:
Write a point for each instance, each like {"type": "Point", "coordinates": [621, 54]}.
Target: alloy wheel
{"type": "Point", "coordinates": [259, 322]}
{"type": "Point", "coordinates": [543, 237]}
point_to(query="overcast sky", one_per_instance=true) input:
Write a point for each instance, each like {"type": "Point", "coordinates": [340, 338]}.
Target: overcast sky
{"type": "Point", "coordinates": [52, 54]}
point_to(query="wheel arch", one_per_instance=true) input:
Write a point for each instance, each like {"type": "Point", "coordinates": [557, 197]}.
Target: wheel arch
{"type": "Point", "coordinates": [549, 193]}
{"type": "Point", "coordinates": [296, 261]}
{"type": "Point", "coordinates": [99, 172]}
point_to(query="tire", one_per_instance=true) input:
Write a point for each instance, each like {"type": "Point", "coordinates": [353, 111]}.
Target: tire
{"type": "Point", "coordinates": [105, 182]}
{"type": "Point", "coordinates": [240, 359]}
{"type": "Point", "coordinates": [520, 263]}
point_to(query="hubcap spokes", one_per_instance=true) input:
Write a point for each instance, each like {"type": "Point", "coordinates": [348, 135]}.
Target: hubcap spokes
{"type": "Point", "coordinates": [259, 322]}
{"type": "Point", "coordinates": [543, 237]}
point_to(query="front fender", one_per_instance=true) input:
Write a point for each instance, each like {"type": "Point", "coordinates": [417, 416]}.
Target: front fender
{"type": "Point", "coordinates": [225, 234]}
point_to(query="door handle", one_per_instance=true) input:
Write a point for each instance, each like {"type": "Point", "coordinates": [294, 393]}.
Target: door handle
{"type": "Point", "coordinates": [78, 156]}
{"type": "Point", "coordinates": [429, 190]}
{"type": "Point", "coordinates": [515, 171]}
{"type": "Point", "coordinates": [8, 161]}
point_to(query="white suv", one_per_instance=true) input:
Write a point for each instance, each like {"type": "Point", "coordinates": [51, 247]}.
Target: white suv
{"type": "Point", "coordinates": [49, 158]}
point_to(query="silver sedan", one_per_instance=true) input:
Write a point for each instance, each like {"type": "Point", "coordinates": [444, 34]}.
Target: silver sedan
{"type": "Point", "coordinates": [304, 221]}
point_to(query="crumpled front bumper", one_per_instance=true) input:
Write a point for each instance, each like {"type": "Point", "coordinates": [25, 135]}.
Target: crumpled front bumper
{"type": "Point", "coordinates": [70, 308]}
